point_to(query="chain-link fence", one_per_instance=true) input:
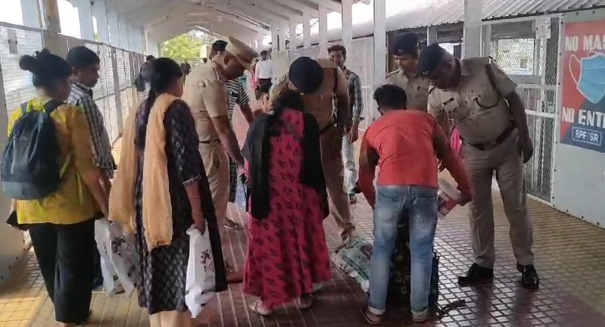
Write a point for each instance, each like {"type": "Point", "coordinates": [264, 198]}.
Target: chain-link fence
{"type": "Point", "coordinates": [533, 64]}
{"type": "Point", "coordinates": [118, 70]}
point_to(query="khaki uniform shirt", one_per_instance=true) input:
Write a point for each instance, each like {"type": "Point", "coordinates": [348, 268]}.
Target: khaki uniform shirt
{"type": "Point", "coordinates": [206, 94]}
{"type": "Point", "coordinates": [320, 103]}
{"type": "Point", "coordinates": [477, 108]}
{"type": "Point", "coordinates": [416, 88]}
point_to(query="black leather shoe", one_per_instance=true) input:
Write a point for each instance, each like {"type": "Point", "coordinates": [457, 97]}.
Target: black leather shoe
{"type": "Point", "coordinates": [529, 277]}
{"type": "Point", "coordinates": [476, 275]}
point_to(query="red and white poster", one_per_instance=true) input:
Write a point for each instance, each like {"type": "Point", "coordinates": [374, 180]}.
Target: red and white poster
{"type": "Point", "coordinates": [583, 85]}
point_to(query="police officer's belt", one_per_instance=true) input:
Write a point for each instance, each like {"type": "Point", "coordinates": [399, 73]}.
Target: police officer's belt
{"type": "Point", "coordinates": [491, 144]}
{"type": "Point", "coordinates": [211, 142]}
{"type": "Point", "coordinates": [331, 124]}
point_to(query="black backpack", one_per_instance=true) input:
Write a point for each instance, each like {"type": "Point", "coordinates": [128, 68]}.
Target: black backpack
{"type": "Point", "coordinates": [30, 169]}
{"type": "Point", "coordinates": [399, 281]}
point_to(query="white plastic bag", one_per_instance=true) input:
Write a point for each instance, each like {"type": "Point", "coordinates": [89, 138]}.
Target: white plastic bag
{"type": "Point", "coordinates": [118, 257]}
{"type": "Point", "coordinates": [124, 257]}
{"type": "Point", "coordinates": [110, 285]}
{"type": "Point", "coordinates": [200, 286]}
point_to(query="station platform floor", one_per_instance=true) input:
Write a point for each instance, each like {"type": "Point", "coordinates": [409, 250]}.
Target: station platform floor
{"type": "Point", "coordinates": [570, 257]}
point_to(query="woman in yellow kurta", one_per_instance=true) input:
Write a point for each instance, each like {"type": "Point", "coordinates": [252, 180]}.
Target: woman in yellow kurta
{"type": "Point", "coordinates": [61, 225]}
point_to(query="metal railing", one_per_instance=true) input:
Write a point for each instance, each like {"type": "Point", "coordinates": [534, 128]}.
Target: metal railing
{"type": "Point", "coordinates": [533, 64]}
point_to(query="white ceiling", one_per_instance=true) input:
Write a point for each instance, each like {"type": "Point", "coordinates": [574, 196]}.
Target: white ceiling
{"type": "Point", "coordinates": [164, 19]}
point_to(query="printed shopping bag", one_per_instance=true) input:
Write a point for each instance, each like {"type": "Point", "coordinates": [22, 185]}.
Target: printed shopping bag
{"type": "Point", "coordinates": [104, 246]}
{"type": "Point", "coordinates": [118, 256]}
{"type": "Point", "coordinates": [353, 258]}
{"type": "Point", "coordinates": [200, 284]}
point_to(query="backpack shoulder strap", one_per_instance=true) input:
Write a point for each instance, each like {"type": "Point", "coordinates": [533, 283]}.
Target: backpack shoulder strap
{"type": "Point", "coordinates": [335, 79]}
{"type": "Point", "coordinates": [23, 107]}
{"type": "Point", "coordinates": [489, 70]}
{"type": "Point", "coordinates": [51, 105]}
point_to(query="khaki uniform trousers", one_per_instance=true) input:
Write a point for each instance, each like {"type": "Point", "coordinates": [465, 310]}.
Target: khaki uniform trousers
{"type": "Point", "coordinates": [331, 155]}
{"type": "Point", "coordinates": [216, 164]}
{"type": "Point", "coordinates": [508, 165]}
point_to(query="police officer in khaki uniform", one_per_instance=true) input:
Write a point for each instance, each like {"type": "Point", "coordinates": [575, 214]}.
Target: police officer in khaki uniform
{"type": "Point", "coordinates": [206, 93]}
{"type": "Point", "coordinates": [490, 116]}
{"type": "Point", "coordinates": [333, 124]}
{"type": "Point", "coordinates": [405, 51]}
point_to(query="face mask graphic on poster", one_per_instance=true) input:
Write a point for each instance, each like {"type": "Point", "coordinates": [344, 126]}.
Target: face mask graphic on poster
{"type": "Point", "coordinates": [590, 82]}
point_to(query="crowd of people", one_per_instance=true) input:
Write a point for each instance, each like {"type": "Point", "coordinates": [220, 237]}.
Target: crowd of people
{"type": "Point", "coordinates": [181, 160]}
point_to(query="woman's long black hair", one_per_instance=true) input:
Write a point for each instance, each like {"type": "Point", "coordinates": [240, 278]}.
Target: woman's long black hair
{"type": "Point", "coordinates": [163, 73]}
{"type": "Point", "coordinates": [259, 152]}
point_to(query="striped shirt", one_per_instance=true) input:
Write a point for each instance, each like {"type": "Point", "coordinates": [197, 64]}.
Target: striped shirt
{"type": "Point", "coordinates": [354, 95]}
{"type": "Point", "coordinates": [237, 94]}
{"type": "Point", "coordinates": [81, 96]}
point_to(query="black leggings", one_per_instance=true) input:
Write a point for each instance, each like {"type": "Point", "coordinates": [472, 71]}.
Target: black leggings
{"type": "Point", "coordinates": [65, 257]}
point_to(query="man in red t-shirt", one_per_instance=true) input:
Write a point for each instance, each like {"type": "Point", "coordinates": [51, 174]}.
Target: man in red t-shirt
{"type": "Point", "coordinates": [405, 145]}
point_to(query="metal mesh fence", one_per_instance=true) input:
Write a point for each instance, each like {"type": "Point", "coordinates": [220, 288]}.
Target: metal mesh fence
{"type": "Point", "coordinates": [533, 64]}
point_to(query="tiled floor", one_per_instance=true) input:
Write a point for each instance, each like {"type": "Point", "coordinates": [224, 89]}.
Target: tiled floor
{"type": "Point", "coordinates": [570, 256]}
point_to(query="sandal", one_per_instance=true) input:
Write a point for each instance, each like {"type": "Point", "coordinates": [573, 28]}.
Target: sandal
{"type": "Point", "coordinates": [369, 319]}
{"type": "Point", "coordinates": [259, 311]}
{"type": "Point", "coordinates": [305, 302]}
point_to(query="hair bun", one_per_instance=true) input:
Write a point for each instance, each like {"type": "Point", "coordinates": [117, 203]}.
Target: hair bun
{"type": "Point", "coordinates": [29, 63]}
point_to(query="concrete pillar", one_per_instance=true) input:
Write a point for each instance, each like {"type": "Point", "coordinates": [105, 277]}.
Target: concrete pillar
{"type": "Point", "coordinates": [293, 37]}
{"type": "Point", "coordinates": [431, 35]}
{"type": "Point", "coordinates": [99, 10]}
{"type": "Point", "coordinates": [347, 23]}
{"type": "Point", "coordinates": [30, 10]}
{"type": "Point", "coordinates": [323, 31]}
{"type": "Point", "coordinates": [306, 30]}
{"type": "Point", "coordinates": [380, 42]}
{"type": "Point", "coordinates": [87, 31]}
{"type": "Point", "coordinates": [50, 16]}
{"type": "Point", "coordinates": [274, 41]}
{"type": "Point", "coordinates": [472, 28]}
{"type": "Point", "coordinates": [123, 33]}
{"type": "Point", "coordinates": [114, 28]}
{"type": "Point", "coordinates": [260, 38]}
{"type": "Point", "coordinates": [282, 37]}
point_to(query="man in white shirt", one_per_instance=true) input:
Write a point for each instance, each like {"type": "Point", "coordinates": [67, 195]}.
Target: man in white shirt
{"type": "Point", "coordinates": [264, 70]}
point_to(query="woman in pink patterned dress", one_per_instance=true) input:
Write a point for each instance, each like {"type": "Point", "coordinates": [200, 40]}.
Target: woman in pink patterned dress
{"type": "Point", "coordinates": [287, 250]}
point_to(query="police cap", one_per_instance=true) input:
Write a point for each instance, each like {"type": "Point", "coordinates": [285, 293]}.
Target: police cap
{"type": "Point", "coordinates": [430, 58]}
{"type": "Point", "coordinates": [405, 44]}
{"type": "Point", "coordinates": [306, 74]}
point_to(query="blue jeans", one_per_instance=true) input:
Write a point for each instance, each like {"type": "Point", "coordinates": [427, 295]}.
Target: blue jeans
{"type": "Point", "coordinates": [393, 203]}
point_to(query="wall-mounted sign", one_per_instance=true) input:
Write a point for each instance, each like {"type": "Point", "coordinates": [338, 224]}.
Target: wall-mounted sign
{"type": "Point", "coordinates": [583, 85]}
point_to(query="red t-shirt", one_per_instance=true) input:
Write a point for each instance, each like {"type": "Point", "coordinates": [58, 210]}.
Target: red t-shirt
{"type": "Point", "coordinates": [405, 141]}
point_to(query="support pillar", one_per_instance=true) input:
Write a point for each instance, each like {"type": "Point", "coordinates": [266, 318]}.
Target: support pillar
{"type": "Point", "coordinates": [50, 15]}
{"type": "Point", "coordinates": [306, 30]}
{"type": "Point", "coordinates": [380, 42]}
{"type": "Point", "coordinates": [114, 28]}
{"type": "Point", "coordinates": [472, 28]}
{"type": "Point", "coordinates": [431, 35]}
{"type": "Point", "coordinates": [260, 38]}
{"type": "Point", "coordinates": [293, 37]}
{"type": "Point", "coordinates": [347, 24]}
{"type": "Point", "coordinates": [323, 31]}
{"type": "Point", "coordinates": [274, 37]}
{"type": "Point", "coordinates": [30, 10]}
{"type": "Point", "coordinates": [100, 12]}
{"type": "Point", "coordinates": [282, 37]}
{"type": "Point", "coordinates": [87, 31]}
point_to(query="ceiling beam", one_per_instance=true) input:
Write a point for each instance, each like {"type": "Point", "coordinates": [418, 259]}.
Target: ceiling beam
{"type": "Point", "coordinates": [140, 17]}
{"type": "Point", "coordinates": [302, 7]}
{"type": "Point", "coordinates": [278, 9]}
{"type": "Point", "coordinates": [331, 5]}
{"type": "Point", "coordinates": [256, 12]}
